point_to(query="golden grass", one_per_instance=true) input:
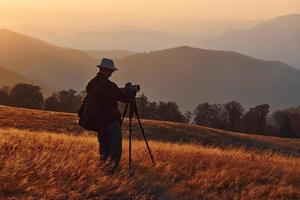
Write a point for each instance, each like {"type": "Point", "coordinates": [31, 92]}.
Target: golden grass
{"type": "Point", "coordinates": [45, 165]}
{"type": "Point", "coordinates": [45, 155]}
{"type": "Point", "coordinates": [38, 120]}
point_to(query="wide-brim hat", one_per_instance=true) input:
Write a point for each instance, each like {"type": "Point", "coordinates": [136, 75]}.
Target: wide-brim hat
{"type": "Point", "coordinates": [107, 64]}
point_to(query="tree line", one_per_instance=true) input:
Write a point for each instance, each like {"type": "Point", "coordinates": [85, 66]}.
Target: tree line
{"type": "Point", "coordinates": [231, 116]}
{"type": "Point", "coordinates": [257, 120]}
{"type": "Point", "coordinates": [30, 96]}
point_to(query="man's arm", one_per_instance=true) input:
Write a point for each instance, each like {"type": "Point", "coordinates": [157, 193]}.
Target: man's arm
{"type": "Point", "coordinates": [121, 94]}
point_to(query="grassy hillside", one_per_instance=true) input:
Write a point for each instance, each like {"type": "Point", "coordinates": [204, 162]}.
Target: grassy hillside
{"type": "Point", "coordinates": [46, 165]}
{"type": "Point", "coordinates": [45, 155]}
{"type": "Point", "coordinates": [36, 120]}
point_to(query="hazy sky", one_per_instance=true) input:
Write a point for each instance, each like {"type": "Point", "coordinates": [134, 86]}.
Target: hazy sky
{"type": "Point", "coordinates": [88, 14]}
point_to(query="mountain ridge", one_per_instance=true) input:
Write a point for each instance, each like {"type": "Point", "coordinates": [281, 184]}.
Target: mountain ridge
{"type": "Point", "coordinates": [10, 78]}
{"type": "Point", "coordinates": [276, 39]}
{"type": "Point", "coordinates": [169, 74]}
{"type": "Point", "coordinates": [61, 67]}
{"type": "Point", "coordinates": [210, 75]}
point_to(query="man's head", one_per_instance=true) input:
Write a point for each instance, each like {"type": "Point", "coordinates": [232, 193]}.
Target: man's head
{"type": "Point", "coordinates": [107, 67]}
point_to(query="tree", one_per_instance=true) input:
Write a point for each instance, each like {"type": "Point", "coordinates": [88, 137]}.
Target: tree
{"type": "Point", "coordinates": [143, 106]}
{"type": "Point", "coordinates": [27, 96]}
{"type": "Point", "coordinates": [255, 119]}
{"type": "Point", "coordinates": [64, 101]}
{"type": "Point", "coordinates": [210, 115]}
{"type": "Point", "coordinates": [4, 96]}
{"type": "Point", "coordinates": [234, 111]}
{"type": "Point", "coordinates": [153, 110]}
{"type": "Point", "coordinates": [216, 116]}
{"type": "Point", "coordinates": [169, 111]}
{"type": "Point", "coordinates": [202, 114]}
{"type": "Point", "coordinates": [69, 101]}
{"type": "Point", "coordinates": [283, 122]}
{"type": "Point", "coordinates": [52, 103]}
{"type": "Point", "coordinates": [295, 120]}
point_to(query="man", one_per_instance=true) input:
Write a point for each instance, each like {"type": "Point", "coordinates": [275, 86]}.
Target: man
{"type": "Point", "coordinates": [107, 95]}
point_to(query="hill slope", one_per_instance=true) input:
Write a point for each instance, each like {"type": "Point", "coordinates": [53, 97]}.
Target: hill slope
{"type": "Point", "coordinates": [47, 165]}
{"type": "Point", "coordinates": [113, 54]}
{"type": "Point", "coordinates": [10, 78]}
{"type": "Point", "coordinates": [277, 39]}
{"type": "Point", "coordinates": [37, 120]}
{"type": "Point", "coordinates": [41, 165]}
{"type": "Point", "coordinates": [207, 75]}
{"type": "Point", "coordinates": [59, 67]}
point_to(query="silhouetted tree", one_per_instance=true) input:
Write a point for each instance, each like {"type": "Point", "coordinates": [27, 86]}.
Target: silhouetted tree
{"type": "Point", "coordinates": [4, 96]}
{"type": "Point", "coordinates": [295, 120]}
{"type": "Point", "coordinates": [255, 119]}
{"type": "Point", "coordinates": [211, 115]}
{"type": "Point", "coordinates": [69, 101]}
{"type": "Point", "coordinates": [283, 122]}
{"type": "Point", "coordinates": [216, 116]}
{"type": "Point", "coordinates": [52, 103]}
{"type": "Point", "coordinates": [153, 108]}
{"type": "Point", "coordinates": [234, 111]}
{"type": "Point", "coordinates": [143, 107]}
{"type": "Point", "coordinates": [64, 101]}
{"type": "Point", "coordinates": [27, 96]}
{"type": "Point", "coordinates": [202, 114]}
{"type": "Point", "coordinates": [169, 111]}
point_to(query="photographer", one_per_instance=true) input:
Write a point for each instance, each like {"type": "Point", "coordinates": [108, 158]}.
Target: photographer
{"type": "Point", "coordinates": [107, 95]}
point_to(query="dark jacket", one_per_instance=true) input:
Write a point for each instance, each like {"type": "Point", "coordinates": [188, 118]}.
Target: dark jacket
{"type": "Point", "coordinates": [107, 96]}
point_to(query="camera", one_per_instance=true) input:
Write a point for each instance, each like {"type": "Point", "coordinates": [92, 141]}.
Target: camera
{"type": "Point", "coordinates": [132, 88]}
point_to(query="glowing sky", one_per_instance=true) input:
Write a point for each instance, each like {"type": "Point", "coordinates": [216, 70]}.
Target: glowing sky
{"type": "Point", "coordinates": [64, 14]}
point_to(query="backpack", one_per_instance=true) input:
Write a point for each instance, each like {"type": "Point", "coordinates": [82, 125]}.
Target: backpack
{"type": "Point", "coordinates": [90, 116]}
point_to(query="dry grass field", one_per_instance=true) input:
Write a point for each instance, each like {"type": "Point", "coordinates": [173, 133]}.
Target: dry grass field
{"type": "Point", "coordinates": [44, 155]}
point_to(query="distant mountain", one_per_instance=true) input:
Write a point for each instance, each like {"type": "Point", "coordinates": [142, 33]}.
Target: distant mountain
{"type": "Point", "coordinates": [10, 78]}
{"type": "Point", "coordinates": [277, 39]}
{"type": "Point", "coordinates": [184, 29]}
{"type": "Point", "coordinates": [61, 68]}
{"type": "Point", "coordinates": [186, 75]}
{"type": "Point", "coordinates": [191, 76]}
{"type": "Point", "coordinates": [124, 40]}
{"type": "Point", "coordinates": [113, 54]}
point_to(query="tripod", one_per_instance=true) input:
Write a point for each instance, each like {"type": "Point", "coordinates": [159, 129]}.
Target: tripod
{"type": "Point", "coordinates": [133, 110]}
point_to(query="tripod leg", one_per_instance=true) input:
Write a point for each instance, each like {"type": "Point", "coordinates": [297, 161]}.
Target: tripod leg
{"type": "Point", "coordinates": [124, 113]}
{"type": "Point", "coordinates": [129, 138]}
{"type": "Point", "coordinates": [143, 133]}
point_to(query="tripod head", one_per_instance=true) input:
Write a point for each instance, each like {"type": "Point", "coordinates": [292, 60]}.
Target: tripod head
{"type": "Point", "coordinates": [131, 87]}
{"type": "Point", "coordinates": [131, 90]}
